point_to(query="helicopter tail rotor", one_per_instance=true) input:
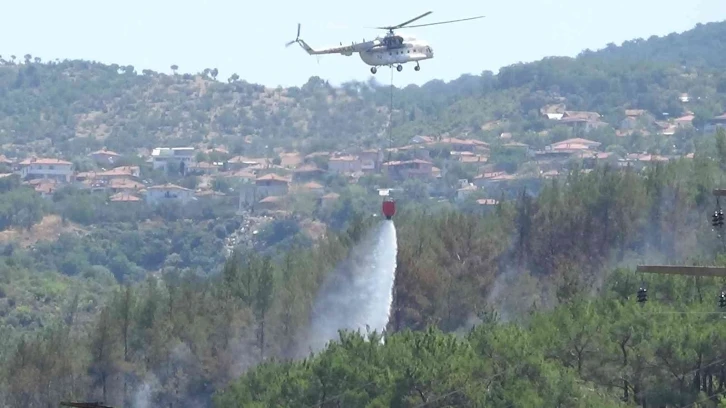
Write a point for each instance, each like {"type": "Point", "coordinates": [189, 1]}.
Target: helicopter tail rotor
{"type": "Point", "coordinates": [297, 39]}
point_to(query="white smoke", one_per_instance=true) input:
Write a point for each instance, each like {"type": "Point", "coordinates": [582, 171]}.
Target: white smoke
{"type": "Point", "coordinates": [358, 295]}
{"type": "Point", "coordinates": [143, 395]}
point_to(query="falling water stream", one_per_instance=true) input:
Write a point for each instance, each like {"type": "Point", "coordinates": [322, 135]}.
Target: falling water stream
{"type": "Point", "coordinates": [358, 295]}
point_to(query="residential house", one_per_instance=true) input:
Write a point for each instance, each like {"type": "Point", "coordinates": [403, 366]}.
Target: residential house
{"type": "Point", "coordinates": [328, 200]}
{"type": "Point", "coordinates": [715, 123]}
{"type": "Point", "coordinates": [420, 151]}
{"type": "Point", "coordinates": [124, 185]}
{"type": "Point", "coordinates": [163, 157]}
{"type": "Point", "coordinates": [488, 180]}
{"type": "Point", "coordinates": [98, 181]}
{"type": "Point", "coordinates": [345, 164]}
{"type": "Point", "coordinates": [317, 155]}
{"type": "Point", "coordinates": [119, 172]}
{"type": "Point", "coordinates": [238, 176]}
{"type": "Point", "coordinates": [555, 154]}
{"type": "Point", "coordinates": [636, 119]}
{"type": "Point", "coordinates": [640, 160]}
{"type": "Point", "coordinates": [307, 172]}
{"type": "Point", "coordinates": [553, 112]}
{"type": "Point", "coordinates": [290, 160]}
{"type": "Point", "coordinates": [208, 194]}
{"type": "Point", "coordinates": [582, 121]}
{"type": "Point", "coordinates": [422, 139]}
{"type": "Point", "coordinates": [685, 120]}
{"type": "Point", "coordinates": [518, 146]}
{"type": "Point", "coordinates": [465, 190]}
{"type": "Point", "coordinates": [575, 144]}
{"type": "Point", "coordinates": [241, 162]}
{"type": "Point", "coordinates": [271, 185]}
{"type": "Point", "coordinates": [45, 187]}
{"type": "Point", "coordinates": [487, 202]}
{"type": "Point", "coordinates": [168, 192]}
{"type": "Point", "coordinates": [44, 168]}
{"type": "Point", "coordinates": [124, 198]}
{"type": "Point", "coordinates": [220, 151]}
{"type": "Point", "coordinates": [271, 203]}
{"type": "Point", "coordinates": [313, 187]}
{"type": "Point", "coordinates": [204, 168]}
{"type": "Point", "coordinates": [105, 157]}
{"type": "Point", "coordinates": [409, 169]}
{"type": "Point", "coordinates": [470, 158]}
{"type": "Point", "coordinates": [590, 158]}
{"type": "Point", "coordinates": [371, 160]}
{"type": "Point", "coordinates": [461, 145]}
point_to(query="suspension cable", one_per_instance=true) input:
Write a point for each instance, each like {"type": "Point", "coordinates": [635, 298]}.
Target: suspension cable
{"type": "Point", "coordinates": [390, 120]}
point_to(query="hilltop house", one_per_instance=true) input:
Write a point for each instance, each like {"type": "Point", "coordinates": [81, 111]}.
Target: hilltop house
{"type": "Point", "coordinates": [307, 172]}
{"type": "Point", "coordinates": [241, 162]}
{"type": "Point", "coordinates": [345, 164]}
{"type": "Point", "coordinates": [168, 192]}
{"type": "Point", "coordinates": [461, 145]}
{"type": "Point", "coordinates": [44, 168]}
{"type": "Point", "coordinates": [410, 169]}
{"type": "Point", "coordinates": [104, 157]}
{"type": "Point", "coordinates": [163, 157]}
{"type": "Point", "coordinates": [583, 121]}
{"type": "Point", "coordinates": [271, 185]}
{"type": "Point", "coordinates": [371, 160]}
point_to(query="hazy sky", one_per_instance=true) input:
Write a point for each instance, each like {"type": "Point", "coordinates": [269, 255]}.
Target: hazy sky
{"type": "Point", "coordinates": [248, 37]}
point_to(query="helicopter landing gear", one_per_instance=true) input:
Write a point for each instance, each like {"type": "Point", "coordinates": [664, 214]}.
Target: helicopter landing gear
{"type": "Point", "coordinates": [399, 68]}
{"type": "Point", "coordinates": [417, 67]}
{"type": "Point", "coordinates": [374, 70]}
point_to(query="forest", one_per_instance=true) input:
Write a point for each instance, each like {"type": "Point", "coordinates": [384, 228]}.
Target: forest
{"type": "Point", "coordinates": [530, 302]}
{"type": "Point", "coordinates": [551, 275]}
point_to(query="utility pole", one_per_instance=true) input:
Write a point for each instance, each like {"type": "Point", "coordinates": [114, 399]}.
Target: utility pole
{"type": "Point", "coordinates": [717, 222]}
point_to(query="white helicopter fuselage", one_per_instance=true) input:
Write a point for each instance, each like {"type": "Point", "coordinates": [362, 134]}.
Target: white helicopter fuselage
{"type": "Point", "coordinates": [411, 50]}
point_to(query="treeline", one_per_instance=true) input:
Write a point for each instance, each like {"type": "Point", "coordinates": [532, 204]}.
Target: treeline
{"type": "Point", "coordinates": [603, 352]}
{"type": "Point", "coordinates": [172, 340]}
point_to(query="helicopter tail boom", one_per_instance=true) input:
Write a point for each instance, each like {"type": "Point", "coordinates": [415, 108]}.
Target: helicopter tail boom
{"type": "Point", "coordinates": [343, 49]}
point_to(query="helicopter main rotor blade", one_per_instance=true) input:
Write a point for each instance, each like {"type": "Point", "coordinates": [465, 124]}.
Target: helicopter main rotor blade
{"type": "Point", "coordinates": [407, 22]}
{"type": "Point", "coordinates": [446, 22]}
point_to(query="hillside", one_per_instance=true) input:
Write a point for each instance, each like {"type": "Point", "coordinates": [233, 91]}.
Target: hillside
{"type": "Point", "coordinates": [71, 106]}
{"type": "Point", "coordinates": [116, 283]}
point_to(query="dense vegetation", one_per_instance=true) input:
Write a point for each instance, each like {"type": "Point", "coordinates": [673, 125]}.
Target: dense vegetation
{"type": "Point", "coordinates": [185, 338]}
{"type": "Point", "coordinates": [175, 333]}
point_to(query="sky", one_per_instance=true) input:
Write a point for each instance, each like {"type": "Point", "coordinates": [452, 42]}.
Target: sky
{"type": "Point", "coordinates": [248, 38]}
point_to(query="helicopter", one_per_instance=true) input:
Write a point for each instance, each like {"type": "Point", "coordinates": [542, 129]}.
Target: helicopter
{"type": "Point", "coordinates": [392, 49]}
